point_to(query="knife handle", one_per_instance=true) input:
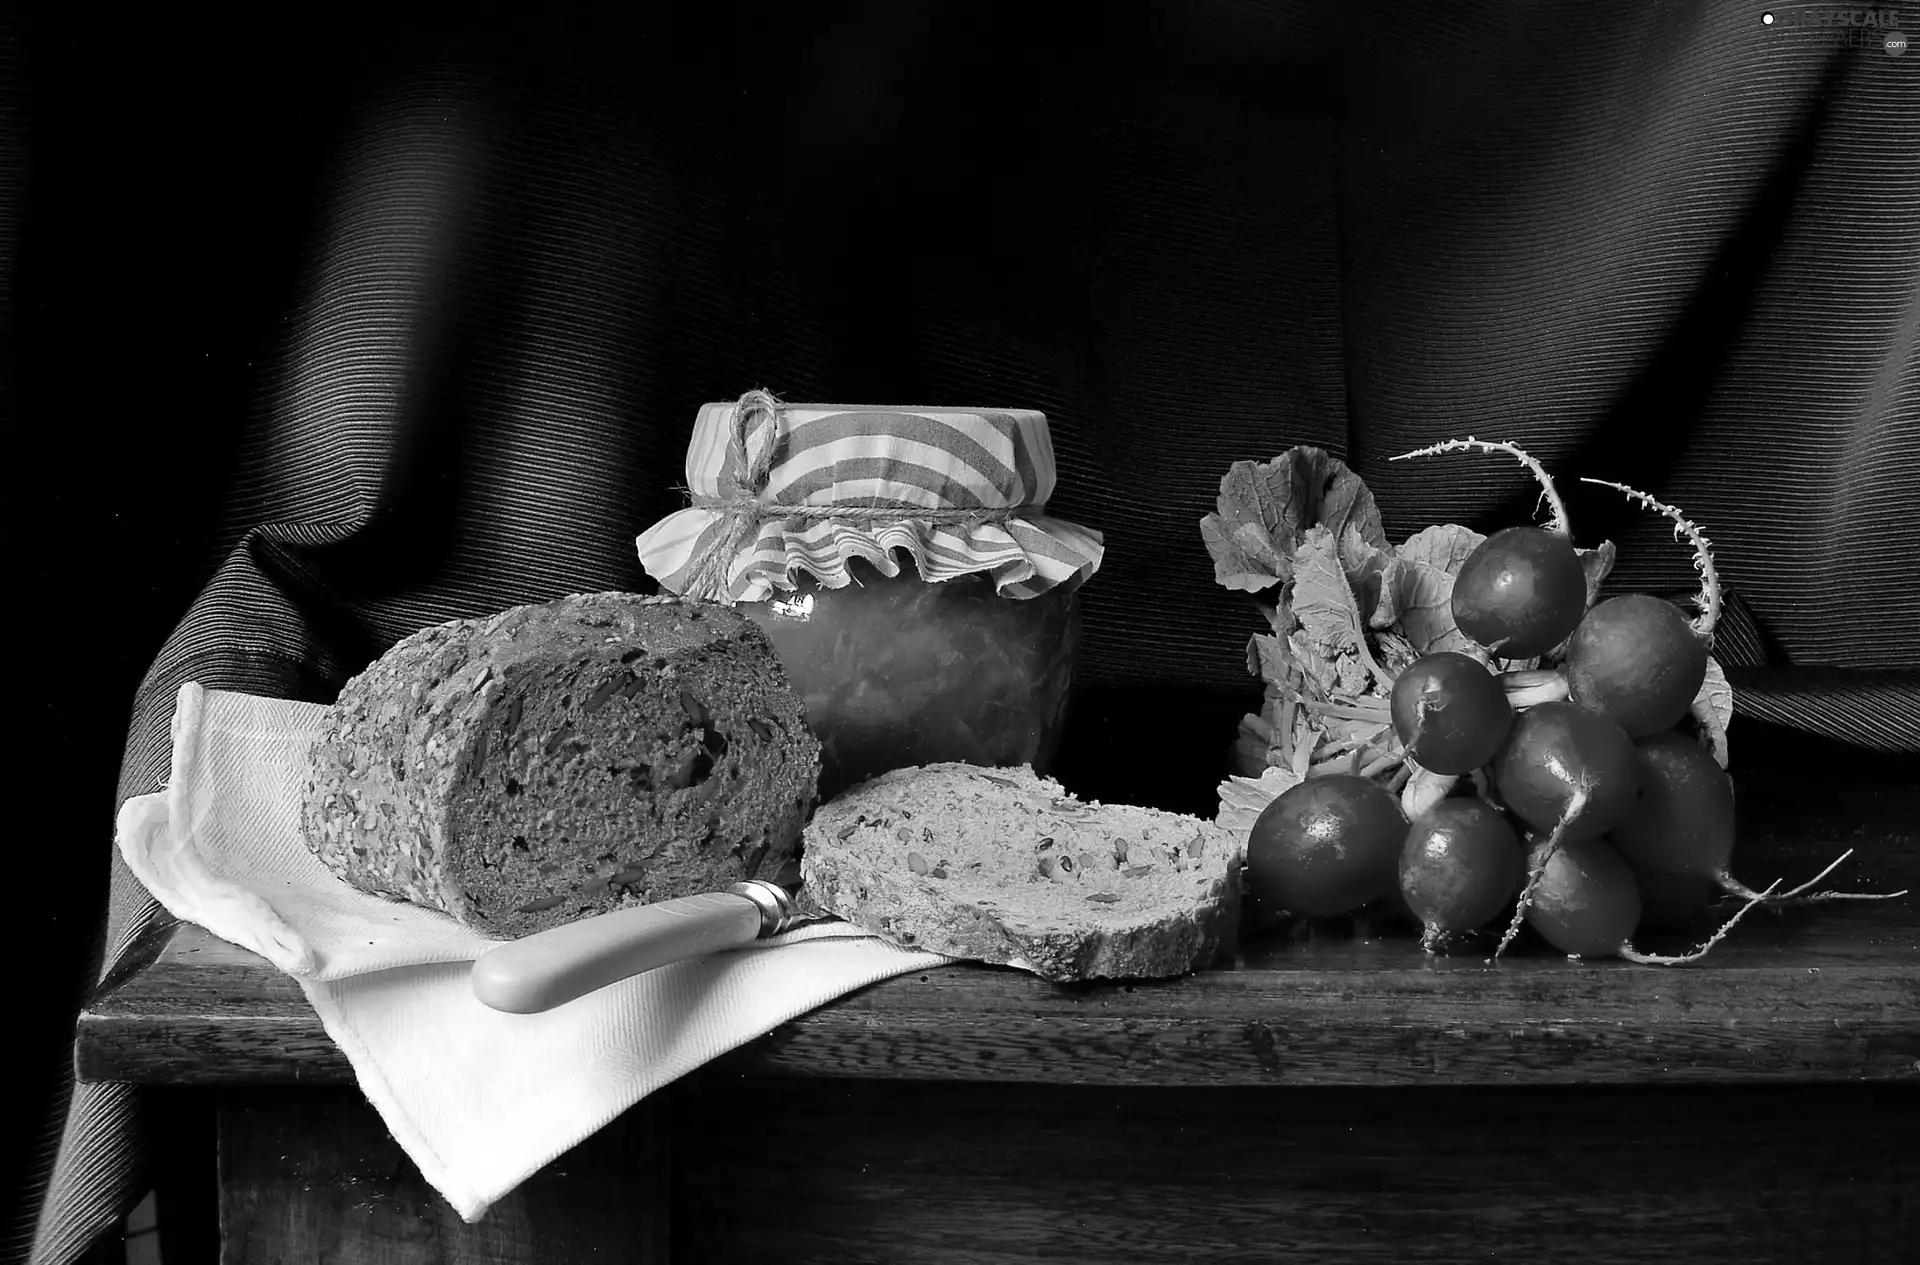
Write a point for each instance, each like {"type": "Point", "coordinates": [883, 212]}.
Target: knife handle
{"type": "Point", "coordinates": [552, 967]}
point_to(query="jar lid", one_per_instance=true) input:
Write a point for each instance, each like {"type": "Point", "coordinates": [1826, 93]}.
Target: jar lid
{"type": "Point", "coordinates": [780, 488]}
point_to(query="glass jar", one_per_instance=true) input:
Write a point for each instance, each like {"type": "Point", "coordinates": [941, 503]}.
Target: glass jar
{"type": "Point", "coordinates": [900, 671]}
{"type": "Point", "coordinates": [797, 512]}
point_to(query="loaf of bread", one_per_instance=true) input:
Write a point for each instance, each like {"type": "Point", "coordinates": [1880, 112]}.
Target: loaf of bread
{"type": "Point", "coordinates": [1002, 866]}
{"type": "Point", "coordinates": [559, 760]}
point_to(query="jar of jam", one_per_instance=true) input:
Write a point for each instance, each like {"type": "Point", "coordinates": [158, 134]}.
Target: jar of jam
{"type": "Point", "coordinates": [901, 561]}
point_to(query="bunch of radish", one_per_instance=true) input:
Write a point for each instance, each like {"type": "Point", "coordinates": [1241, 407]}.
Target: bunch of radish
{"type": "Point", "coordinates": [1534, 773]}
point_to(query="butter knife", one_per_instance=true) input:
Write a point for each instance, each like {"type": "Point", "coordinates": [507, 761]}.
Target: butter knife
{"type": "Point", "coordinates": [550, 968]}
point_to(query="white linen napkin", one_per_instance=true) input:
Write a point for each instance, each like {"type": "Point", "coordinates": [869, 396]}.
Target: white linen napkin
{"type": "Point", "coordinates": [479, 1099]}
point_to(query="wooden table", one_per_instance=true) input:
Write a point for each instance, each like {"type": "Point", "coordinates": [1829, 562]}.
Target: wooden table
{"type": "Point", "coordinates": [1331, 1099]}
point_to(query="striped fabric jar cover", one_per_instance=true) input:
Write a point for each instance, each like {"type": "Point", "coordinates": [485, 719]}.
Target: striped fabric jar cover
{"type": "Point", "coordinates": [781, 488]}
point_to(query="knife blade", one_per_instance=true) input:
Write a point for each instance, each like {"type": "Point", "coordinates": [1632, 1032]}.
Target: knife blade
{"type": "Point", "coordinates": [550, 968]}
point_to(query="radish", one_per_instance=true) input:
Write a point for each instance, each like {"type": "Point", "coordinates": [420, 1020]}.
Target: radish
{"type": "Point", "coordinates": [1563, 767]}
{"type": "Point", "coordinates": [1678, 839]}
{"type": "Point", "coordinates": [1585, 901]}
{"type": "Point", "coordinates": [1460, 865]}
{"type": "Point", "coordinates": [1586, 904]}
{"type": "Point", "coordinates": [1522, 591]}
{"type": "Point", "coordinates": [1636, 659]}
{"type": "Point", "coordinates": [1449, 712]}
{"type": "Point", "coordinates": [1537, 859]}
{"type": "Point", "coordinates": [1326, 846]}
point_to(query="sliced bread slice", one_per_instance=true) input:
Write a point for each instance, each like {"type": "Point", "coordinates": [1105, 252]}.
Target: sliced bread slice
{"type": "Point", "coordinates": [1000, 865]}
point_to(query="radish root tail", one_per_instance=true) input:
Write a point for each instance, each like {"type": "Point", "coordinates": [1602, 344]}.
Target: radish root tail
{"type": "Point", "coordinates": [1631, 954]}
{"type": "Point", "coordinates": [1803, 894]}
{"type": "Point", "coordinates": [1576, 805]}
{"type": "Point", "coordinates": [1685, 528]}
{"type": "Point", "coordinates": [1557, 518]}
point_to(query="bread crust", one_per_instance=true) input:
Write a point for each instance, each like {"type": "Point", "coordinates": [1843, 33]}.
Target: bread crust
{"type": "Point", "coordinates": [562, 759]}
{"type": "Point", "coordinates": [1004, 866]}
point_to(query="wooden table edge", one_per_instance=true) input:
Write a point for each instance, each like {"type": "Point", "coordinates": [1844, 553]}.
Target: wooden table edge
{"type": "Point", "coordinates": [1847, 1021]}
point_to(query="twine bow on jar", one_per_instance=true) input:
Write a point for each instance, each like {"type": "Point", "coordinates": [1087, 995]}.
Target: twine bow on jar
{"type": "Point", "coordinates": [743, 505]}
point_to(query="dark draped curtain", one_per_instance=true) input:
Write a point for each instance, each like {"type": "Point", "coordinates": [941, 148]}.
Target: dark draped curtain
{"type": "Point", "coordinates": [319, 335]}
